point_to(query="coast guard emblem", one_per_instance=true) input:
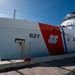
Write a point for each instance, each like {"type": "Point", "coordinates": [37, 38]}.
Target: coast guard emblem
{"type": "Point", "coordinates": [53, 39]}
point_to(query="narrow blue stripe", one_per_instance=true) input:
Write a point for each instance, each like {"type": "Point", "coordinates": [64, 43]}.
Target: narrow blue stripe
{"type": "Point", "coordinates": [64, 40]}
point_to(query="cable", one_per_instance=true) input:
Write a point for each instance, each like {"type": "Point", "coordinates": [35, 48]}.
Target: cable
{"type": "Point", "coordinates": [5, 13]}
{"type": "Point", "coordinates": [32, 14]}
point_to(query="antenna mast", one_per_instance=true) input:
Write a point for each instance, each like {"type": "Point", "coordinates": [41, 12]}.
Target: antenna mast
{"type": "Point", "coordinates": [14, 13]}
{"type": "Point", "coordinates": [60, 11]}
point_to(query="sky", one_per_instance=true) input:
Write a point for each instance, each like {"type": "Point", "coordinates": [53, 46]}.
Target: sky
{"type": "Point", "coordinates": [43, 11]}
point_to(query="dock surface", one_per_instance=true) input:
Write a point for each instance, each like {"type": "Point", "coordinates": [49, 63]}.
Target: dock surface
{"type": "Point", "coordinates": [57, 67]}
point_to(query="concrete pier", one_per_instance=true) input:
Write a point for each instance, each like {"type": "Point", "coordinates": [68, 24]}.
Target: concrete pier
{"type": "Point", "coordinates": [20, 63]}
